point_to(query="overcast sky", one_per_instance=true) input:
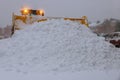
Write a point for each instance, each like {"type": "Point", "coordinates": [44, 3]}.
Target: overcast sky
{"type": "Point", "coordinates": [93, 9]}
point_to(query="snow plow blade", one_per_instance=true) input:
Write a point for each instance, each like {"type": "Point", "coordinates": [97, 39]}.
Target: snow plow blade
{"type": "Point", "coordinates": [32, 19]}
{"type": "Point", "coordinates": [82, 20]}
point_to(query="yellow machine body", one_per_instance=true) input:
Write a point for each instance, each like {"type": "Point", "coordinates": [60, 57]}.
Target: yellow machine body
{"type": "Point", "coordinates": [29, 15]}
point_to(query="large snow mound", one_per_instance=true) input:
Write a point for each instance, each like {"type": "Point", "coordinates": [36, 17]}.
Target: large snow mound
{"type": "Point", "coordinates": [57, 45]}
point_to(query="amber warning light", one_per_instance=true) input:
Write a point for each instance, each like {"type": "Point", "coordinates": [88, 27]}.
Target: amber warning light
{"type": "Point", "coordinates": [40, 12]}
{"type": "Point", "coordinates": [25, 11]}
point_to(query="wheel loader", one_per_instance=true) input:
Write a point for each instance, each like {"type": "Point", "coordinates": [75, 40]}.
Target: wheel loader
{"type": "Point", "coordinates": [29, 16]}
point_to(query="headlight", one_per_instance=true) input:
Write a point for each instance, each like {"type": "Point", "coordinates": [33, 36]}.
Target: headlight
{"type": "Point", "coordinates": [40, 12]}
{"type": "Point", "coordinates": [25, 11]}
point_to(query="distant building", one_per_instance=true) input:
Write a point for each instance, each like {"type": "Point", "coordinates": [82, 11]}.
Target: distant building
{"type": "Point", "coordinates": [5, 32]}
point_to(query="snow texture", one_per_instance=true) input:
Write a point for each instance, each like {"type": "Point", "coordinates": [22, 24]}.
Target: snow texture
{"type": "Point", "coordinates": [57, 46]}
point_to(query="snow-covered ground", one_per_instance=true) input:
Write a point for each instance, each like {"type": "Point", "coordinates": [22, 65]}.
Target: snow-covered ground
{"type": "Point", "coordinates": [58, 50]}
{"type": "Point", "coordinates": [83, 75]}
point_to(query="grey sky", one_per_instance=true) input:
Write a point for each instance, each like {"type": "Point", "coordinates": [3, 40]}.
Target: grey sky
{"type": "Point", "coordinates": [93, 9]}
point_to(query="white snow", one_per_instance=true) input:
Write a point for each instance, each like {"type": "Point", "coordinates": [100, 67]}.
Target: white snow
{"type": "Point", "coordinates": [83, 75]}
{"type": "Point", "coordinates": [58, 46]}
{"type": "Point", "coordinates": [93, 24]}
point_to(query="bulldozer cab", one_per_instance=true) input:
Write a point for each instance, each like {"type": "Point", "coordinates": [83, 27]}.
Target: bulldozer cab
{"type": "Point", "coordinates": [32, 12]}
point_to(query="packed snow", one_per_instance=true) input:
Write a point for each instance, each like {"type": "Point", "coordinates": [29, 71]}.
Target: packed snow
{"type": "Point", "coordinates": [57, 46]}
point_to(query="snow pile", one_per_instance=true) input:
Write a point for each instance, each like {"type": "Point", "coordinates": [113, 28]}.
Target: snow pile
{"type": "Point", "coordinates": [92, 25]}
{"type": "Point", "coordinates": [57, 45]}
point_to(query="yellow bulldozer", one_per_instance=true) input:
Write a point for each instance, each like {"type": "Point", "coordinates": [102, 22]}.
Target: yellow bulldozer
{"type": "Point", "coordinates": [29, 16]}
